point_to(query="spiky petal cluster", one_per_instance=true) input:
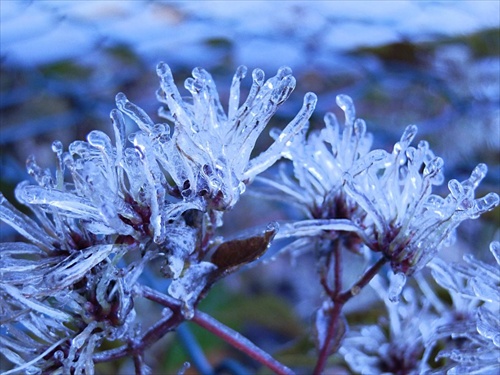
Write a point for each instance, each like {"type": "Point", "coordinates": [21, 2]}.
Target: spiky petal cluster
{"type": "Point", "coordinates": [107, 199]}
{"type": "Point", "coordinates": [386, 198]}
{"type": "Point", "coordinates": [208, 153]}
{"type": "Point", "coordinates": [472, 332]}
{"type": "Point", "coordinates": [59, 303]}
{"type": "Point", "coordinates": [320, 161]}
{"type": "Point", "coordinates": [396, 344]}
{"type": "Point", "coordinates": [406, 221]}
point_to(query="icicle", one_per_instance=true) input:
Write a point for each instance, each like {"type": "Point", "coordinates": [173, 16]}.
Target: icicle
{"type": "Point", "coordinates": [273, 153]}
{"type": "Point", "coordinates": [495, 250]}
{"type": "Point", "coordinates": [397, 284]}
{"type": "Point", "coordinates": [407, 137]}
{"type": "Point", "coordinates": [42, 176]}
{"type": "Point", "coordinates": [234, 94]}
{"type": "Point", "coordinates": [134, 112]}
{"type": "Point", "coordinates": [77, 206]}
{"type": "Point", "coordinates": [346, 104]}
{"type": "Point", "coordinates": [57, 148]}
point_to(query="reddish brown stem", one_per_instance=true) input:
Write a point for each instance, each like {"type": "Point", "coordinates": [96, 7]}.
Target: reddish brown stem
{"type": "Point", "coordinates": [240, 342]}
{"type": "Point", "coordinates": [217, 328]}
{"type": "Point", "coordinates": [339, 300]}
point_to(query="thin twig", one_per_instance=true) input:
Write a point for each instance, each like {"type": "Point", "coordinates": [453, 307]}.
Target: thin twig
{"type": "Point", "coordinates": [339, 300]}
{"type": "Point", "coordinates": [337, 308]}
{"type": "Point", "coordinates": [217, 328]}
{"type": "Point", "coordinates": [240, 342]}
{"type": "Point", "coordinates": [362, 282]}
{"type": "Point", "coordinates": [325, 350]}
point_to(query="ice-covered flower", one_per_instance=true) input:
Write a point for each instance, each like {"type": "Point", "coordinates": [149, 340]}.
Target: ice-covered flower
{"type": "Point", "coordinates": [385, 198]}
{"type": "Point", "coordinates": [58, 305]}
{"type": "Point", "coordinates": [207, 153]}
{"type": "Point", "coordinates": [155, 193]}
{"type": "Point", "coordinates": [320, 161]}
{"type": "Point", "coordinates": [425, 333]}
{"type": "Point", "coordinates": [471, 333]}
{"type": "Point", "coordinates": [408, 223]}
{"type": "Point", "coordinates": [396, 344]}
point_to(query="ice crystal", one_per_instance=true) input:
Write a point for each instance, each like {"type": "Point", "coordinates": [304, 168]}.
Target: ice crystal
{"type": "Point", "coordinates": [407, 222]}
{"type": "Point", "coordinates": [425, 334]}
{"type": "Point", "coordinates": [111, 207]}
{"type": "Point", "coordinates": [61, 314]}
{"type": "Point", "coordinates": [320, 161]}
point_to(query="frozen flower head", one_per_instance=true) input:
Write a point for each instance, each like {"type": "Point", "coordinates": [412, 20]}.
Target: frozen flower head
{"type": "Point", "coordinates": [61, 296]}
{"type": "Point", "coordinates": [472, 343]}
{"type": "Point", "coordinates": [207, 153]}
{"type": "Point", "coordinates": [408, 223]}
{"type": "Point", "coordinates": [386, 198]}
{"type": "Point", "coordinates": [138, 189]}
{"type": "Point", "coordinates": [320, 161]}
{"type": "Point", "coordinates": [396, 344]}
{"type": "Point", "coordinates": [136, 194]}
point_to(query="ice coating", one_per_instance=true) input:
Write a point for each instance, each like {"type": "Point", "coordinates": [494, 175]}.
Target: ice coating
{"type": "Point", "coordinates": [190, 285]}
{"type": "Point", "coordinates": [397, 284]}
{"type": "Point", "coordinates": [161, 191]}
{"type": "Point", "coordinates": [201, 151]}
{"type": "Point", "coordinates": [390, 193]}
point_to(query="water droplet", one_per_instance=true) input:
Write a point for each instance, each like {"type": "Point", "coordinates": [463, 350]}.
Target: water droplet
{"type": "Point", "coordinates": [345, 102]}
{"type": "Point", "coordinates": [57, 147]}
{"type": "Point", "coordinates": [121, 98]}
{"type": "Point", "coordinates": [272, 227]}
{"type": "Point", "coordinates": [187, 311]}
{"type": "Point", "coordinates": [284, 71]}
{"type": "Point", "coordinates": [163, 69]}
{"type": "Point", "coordinates": [258, 76]}
{"type": "Point", "coordinates": [99, 140]}
{"type": "Point", "coordinates": [241, 72]}
{"type": "Point", "coordinates": [310, 98]}
{"type": "Point", "coordinates": [398, 282]}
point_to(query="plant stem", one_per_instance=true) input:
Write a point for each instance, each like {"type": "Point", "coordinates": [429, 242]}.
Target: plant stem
{"type": "Point", "coordinates": [339, 300]}
{"type": "Point", "coordinates": [337, 308]}
{"type": "Point", "coordinates": [217, 328]}
{"type": "Point", "coordinates": [152, 335]}
{"type": "Point", "coordinates": [362, 282]}
{"type": "Point", "coordinates": [325, 350]}
{"type": "Point", "coordinates": [240, 342]}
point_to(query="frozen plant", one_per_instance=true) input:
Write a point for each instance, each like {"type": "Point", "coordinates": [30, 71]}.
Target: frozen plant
{"type": "Point", "coordinates": [424, 334]}
{"type": "Point", "coordinates": [473, 329]}
{"type": "Point", "coordinates": [396, 344]}
{"type": "Point", "coordinates": [115, 210]}
{"type": "Point", "coordinates": [367, 201]}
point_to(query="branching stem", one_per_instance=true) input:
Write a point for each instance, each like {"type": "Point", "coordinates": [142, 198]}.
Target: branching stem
{"type": "Point", "coordinates": [210, 324]}
{"type": "Point", "coordinates": [339, 300]}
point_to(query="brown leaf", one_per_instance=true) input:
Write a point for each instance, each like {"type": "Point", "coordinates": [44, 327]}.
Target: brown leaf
{"type": "Point", "coordinates": [238, 252]}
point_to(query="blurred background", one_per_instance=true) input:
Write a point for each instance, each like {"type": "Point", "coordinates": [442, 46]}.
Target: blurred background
{"type": "Point", "coordinates": [431, 63]}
